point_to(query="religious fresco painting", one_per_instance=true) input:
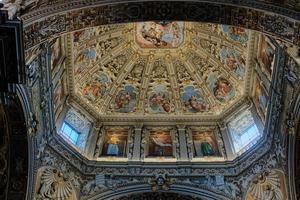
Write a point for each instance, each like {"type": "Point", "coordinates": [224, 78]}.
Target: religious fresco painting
{"type": "Point", "coordinates": [159, 34]}
{"type": "Point", "coordinates": [267, 54]}
{"type": "Point", "coordinates": [82, 34]}
{"type": "Point", "coordinates": [234, 61]}
{"type": "Point", "coordinates": [59, 93]}
{"type": "Point", "coordinates": [160, 100]}
{"type": "Point", "coordinates": [204, 143]}
{"type": "Point", "coordinates": [96, 88]}
{"type": "Point", "coordinates": [236, 33]}
{"type": "Point", "coordinates": [193, 100]}
{"type": "Point", "coordinates": [261, 97]}
{"type": "Point", "coordinates": [126, 99]}
{"type": "Point", "coordinates": [115, 143]}
{"type": "Point", "coordinates": [83, 59]}
{"type": "Point", "coordinates": [160, 143]}
{"type": "Point", "coordinates": [221, 88]}
{"type": "Point", "coordinates": [56, 53]}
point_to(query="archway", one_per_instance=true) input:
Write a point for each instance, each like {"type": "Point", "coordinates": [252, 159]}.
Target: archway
{"type": "Point", "coordinates": [175, 190]}
{"type": "Point", "coordinates": [14, 150]}
{"type": "Point", "coordinates": [115, 13]}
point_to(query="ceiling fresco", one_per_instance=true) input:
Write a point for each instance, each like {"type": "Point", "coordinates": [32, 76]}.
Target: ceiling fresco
{"type": "Point", "coordinates": [160, 67]}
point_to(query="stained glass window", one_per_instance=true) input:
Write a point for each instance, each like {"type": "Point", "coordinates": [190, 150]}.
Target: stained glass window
{"type": "Point", "coordinates": [244, 132]}
{"type": "Point", "coordinates": [69, 133]}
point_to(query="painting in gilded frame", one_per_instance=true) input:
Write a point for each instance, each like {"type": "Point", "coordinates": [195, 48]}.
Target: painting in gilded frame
{"type": "Point", "coordinates": [83, 59]}
{"type": "Point", "coordinates": [234, 61]}
{"type": "Point", "coordinates": [96, 88]}
{"type": "Point", "coordinates": [126, 99]}
{"type": "Point", "coordinates": [159, 34]}
{"type": "Point", "coordinates": [57, 53]}
{"type": "Point", "coordinates": [160, 100]}
{"type": "Point", "coordinates": [204, 143]}
{"type": "Point", "coordinates": [261, 97]}
{"type": "Point", "coordinates": [193, 100]}
{"type": "Point", "coordinates": [236, 33]}
{"type": "Point", "coordinates": [160, 144]}
{"type": "Point", "coordinates": [266, 54]}
{"type": "Point", "coordinates": [115, 143]}
{"type": "Point", "coordinates": [221, 88]}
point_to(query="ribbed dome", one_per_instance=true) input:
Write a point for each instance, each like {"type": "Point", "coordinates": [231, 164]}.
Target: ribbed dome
{"type": "Point", "coordinates": [170, 68]}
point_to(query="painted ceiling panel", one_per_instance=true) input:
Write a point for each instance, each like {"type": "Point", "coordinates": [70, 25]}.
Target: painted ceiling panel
{"type": "Point", "coordinates": [160, 67]}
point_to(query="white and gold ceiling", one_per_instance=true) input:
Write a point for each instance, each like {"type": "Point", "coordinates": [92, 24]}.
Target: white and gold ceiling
{"type": "Point", "coordinates": [160, 68]}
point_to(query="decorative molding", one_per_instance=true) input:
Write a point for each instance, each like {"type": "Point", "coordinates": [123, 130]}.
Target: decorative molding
{"type": "Point", "coordinates": [42, 25]}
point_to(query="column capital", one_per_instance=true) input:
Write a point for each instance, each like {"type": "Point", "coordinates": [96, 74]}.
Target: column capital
{"type": "Point", "coordinates": [138, 126]}
{"type": "Point", "coordinates": [181, 126]}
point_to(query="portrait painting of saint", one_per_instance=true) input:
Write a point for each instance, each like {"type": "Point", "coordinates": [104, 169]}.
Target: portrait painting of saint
{"type": "Point", "coordinates": [115, 143]}
{"type": "Point", "coordinates": [58, 93]}
{"type": "Point", "coordinates": [159, 100]}
{"type": "Point", "coordinates": [96, 87]}
{"type": "Point", "coordinates": [126, 99]}
{"type": "Point", "coordinates": [204, 143]}
{"type": "Point", "coordinates": [221, 88]}
{"type": "Point", "coordinates": [233, 60]}
{"type": "Point", "coordinates": [159, 34]}
{"type": "Point", "coordinates": [83, 59]}
{"type": "Point", "coordinates": [160, 143]}
{"type": "Point", "coordinates": [267, 54]}
{"type": "Point", "coordinates": [56, 53]}
{"type": "Point", "coordinates": [261, 97]}
{"type": "Point", "coordinates": [193, 100]}
{"type": "Point", "coordinates": [236, 33]}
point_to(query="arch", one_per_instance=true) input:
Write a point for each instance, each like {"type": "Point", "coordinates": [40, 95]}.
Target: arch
{"type": "Point", "coordinates": [52, 21]}
{"type": "Point", "coordinates": [145, 188]}
{"type": "Point", "coordinates": [24, 99]}
{"type": "Point", "coordinates": [15, 149]}
{"type": "Point", "coordinates": [293, 149]}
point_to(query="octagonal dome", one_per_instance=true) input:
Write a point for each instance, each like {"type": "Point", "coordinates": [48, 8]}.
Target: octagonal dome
{"type": "Point", "coordinates": [165, 68]}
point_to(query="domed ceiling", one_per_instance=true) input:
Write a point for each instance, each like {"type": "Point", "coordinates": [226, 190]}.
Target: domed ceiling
{"type": "Point", "coordinates": [160, 68]}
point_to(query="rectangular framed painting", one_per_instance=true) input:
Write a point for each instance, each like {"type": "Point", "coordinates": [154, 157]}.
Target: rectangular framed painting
{"type": "Point", "coordinates": [204, 143]}
{"type": "Point", "coordinates": [57, 54]}
{"type": "Point", "coordinates": [261, 98]}
{"type": "Point", "coordinates": [59, 93]}
{"type": "Point", "coordinates": [160, 143]}
{"type": "Point", "coordinates": [60, 89]}
{"type": "Point", "coordinates": [266, 55]}
{"type": "Point", "coordinates": [159, 34]}
{"type": "Point", "coordinates": [115, 143]}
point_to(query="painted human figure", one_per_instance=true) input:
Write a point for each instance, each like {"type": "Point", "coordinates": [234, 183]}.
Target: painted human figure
{"type": "Point", "coordinates": [92, 90]}
{"type": "Point", "coordinates": [123, 100]}
{"type": "Point", "coordinates": [207, 149]}
{"type": "Point", "coordinates": [193, 102]}
{"type": "Point", "coordinates": [160, 103]}
{"type": "Point", "coordinates": [222, 89]}
{"type": "Point", "coordinates": [160, 144]}
{"type": "Point", "coordinates": [113, 148]}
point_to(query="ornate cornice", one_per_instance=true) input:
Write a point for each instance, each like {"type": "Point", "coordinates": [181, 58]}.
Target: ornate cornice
{"type": "Point", "coordinates": [62, 18]}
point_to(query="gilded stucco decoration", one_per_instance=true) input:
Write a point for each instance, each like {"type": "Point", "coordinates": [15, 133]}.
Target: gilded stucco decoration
{"type": "Point", "coordinates": [160, 67]}
{"type": "Point", "coordinates": [268, 185]}
{"type": "Point", "coordinates": [54, 184]}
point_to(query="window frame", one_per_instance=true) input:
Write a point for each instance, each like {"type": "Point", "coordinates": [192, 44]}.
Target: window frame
{"type": "Point", "coordinates": [253, 140]}
{"type": "Point", "coordinates": [242, 144]}
{"type": "Point", "coordinates": [68, 136]}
